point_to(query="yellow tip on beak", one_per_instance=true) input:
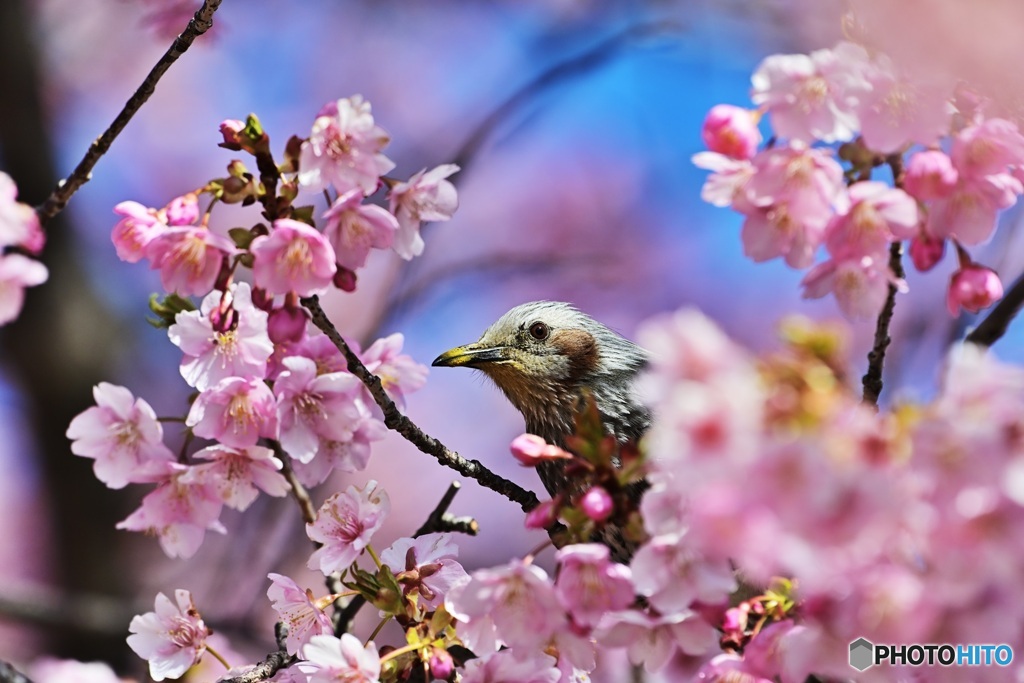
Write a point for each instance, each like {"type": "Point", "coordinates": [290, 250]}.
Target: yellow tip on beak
{"type": "Point", "coordinates": [470, 355]}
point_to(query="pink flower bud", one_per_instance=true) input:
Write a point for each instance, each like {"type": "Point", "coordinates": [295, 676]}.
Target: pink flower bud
{"type": "Point", "coordinates": [441, 664]}
{"type": "Point", "coordinates": [232, 129]}
{"type": "Point", "coordinates": [731, 131]}
{"type": "Point", "coordinates": [530, 450]}
{"type": "Point", "coordinates": [973, 288]}
{"type": "Point", "coordinates": [930, 175]}
{"type": "Point", "coordinates": [542, 516]}
{"type": "Point", "coordinates": [345, 279]}
{"type": "Point", "coordinates": [286, 324]}
{"type": "Point", "coordinates": [926, 251]}
{"type": "Point", "coordinates": [183, 210]}
{"type": "Point", "coordinates": [597, 504]}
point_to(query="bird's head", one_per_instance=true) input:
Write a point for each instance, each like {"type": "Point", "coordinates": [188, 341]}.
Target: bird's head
{"type": "Point", "coordinates": [542, 354]}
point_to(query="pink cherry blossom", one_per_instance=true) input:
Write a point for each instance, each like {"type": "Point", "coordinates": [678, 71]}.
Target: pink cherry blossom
{"type": "Point", "coordinates": [652, 640]}
{"type": "Point", "coordinates": [17, 272]}
{"type": "Point", "coordinates": [237, 473]}
{"type": "Point", "coordinates": [589, 584]}
{"type": "Point", "coordinates": [930, 175]}
{"type": "Point", "coordinates": [987, 148]}
{"type": "Point", "coordinates": [426, 196]}
{"type": "Point", "coordinates": [172, 638]}
{"type": "Point", "coordinates": [724, 187]}
{"type": "Point", "coordinates": [330, 660]}
{"type": "Point", "coordinates": [353, 228]}
{"type": "Point", "coordinates": [398, 372]}
{"type": "Point", "coordinates": [235, 411]}
{"type": "Point", "coordinates": [183, 210]}
{"type": "Point", "coordinates": [294, 257]}
{"type": "Point", "coordinates": [507, 667]}
{"type": "Point", "coordinates": [213, 353]}
{"type": "Point", "coordinates": [878, 215]}
{"type": "Point", "coordinates": [179, 512]}
{"type": "Point", "coordinates": [19, 224]}
{"type": "Point", "coordinates": [427, 565]}
{"type": "Point", "coordinates": [729, 667]}
{"type": "Point", "coordinates": [345, 524]}
{"type": "Point", "coordinates": [788, 203]}
{"type": "Point", "coordinates": [518, 597]}
{"type": "Point", "coordinates": [121, 433]}
{"type": "Point", "coordinates": [344, 149]}
{"type": "Point", "coordinates": [346, 456]}
{"type": "Point", "coordinates": [812, 97]}
{"type": "Point", "coordinates": [134, 232]}
{"type": "Point", "coordinates": [897, 109]}
{"type": "Point", "coordinates": [297, 611]}
{"type": "Point", "coordinates": [973, 287]}
{"type": "Point", "coordinates": [189, 258]}
{"type": "Point", "coordinates": [48, 670]}
{"type": "Point", "coordinates": [672, 574]}
{"type": "Point", "coordinates": [970, 211]}
{"type": "Point", "coordinates": [315, 410]}
{"type": "Point", "coordinates": [542, 516]}
{"type": "Point", "coordinates": [859, 285]}
{"type": "Point", "coordinates": [731, 131]}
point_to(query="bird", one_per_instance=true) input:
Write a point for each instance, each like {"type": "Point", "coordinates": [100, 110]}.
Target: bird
{"type": "Point", "coordinates": [547, 357]}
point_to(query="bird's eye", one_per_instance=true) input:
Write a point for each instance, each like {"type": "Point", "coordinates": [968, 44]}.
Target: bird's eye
{"type": "Point", "coordinates": [539, 331]}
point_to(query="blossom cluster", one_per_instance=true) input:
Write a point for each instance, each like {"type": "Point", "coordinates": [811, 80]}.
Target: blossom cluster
{"type": "Point", "coordinates": [269, 386]}
{"type": "Point", "coordinates": [896, 526]}
{"type": "Point", "coordinates": [21, 235]}
{"type": "Point", "coordinates": [955, 165]}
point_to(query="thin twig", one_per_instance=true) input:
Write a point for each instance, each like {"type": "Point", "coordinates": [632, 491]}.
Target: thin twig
{"type": "Point", "coordinates": [58, 199]}
{"type": "Point", "coordinates": [395, 420]}
{"type": "Point", "coordinates": [872, 379]}
{"type": "Point", "coordinates": [998, 320]}
{"type": "Point", "coordinates": [298, 490]}
{"type": "Point", "coordinates": [273, 663]}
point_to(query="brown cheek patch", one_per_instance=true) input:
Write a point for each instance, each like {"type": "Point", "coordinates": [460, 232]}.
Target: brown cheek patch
{"type": "Point", "coordinates": [580, 348]}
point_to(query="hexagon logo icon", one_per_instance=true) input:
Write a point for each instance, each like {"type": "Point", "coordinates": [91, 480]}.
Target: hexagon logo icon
{"type": "Point", "coordinates": [861, 654]}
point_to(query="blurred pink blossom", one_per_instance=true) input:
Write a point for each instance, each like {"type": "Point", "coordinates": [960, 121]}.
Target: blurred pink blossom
{"type": "Point", "coordinates": [17, 272]}
{"type": "Point", "coordinates": [731, 131]}
{"type": "Point", "coordinates": [589, 584]}
{"type": "Point", "coordinates": [19, 224]}
{"type": "Point", "coordinates": [330, 659]}
{"type": "Point", "coordinates": [133, 233]}
{"type": "Point", "coordinates": [426, 196]}
{"type": "Point", "coordinates": [973, 287]}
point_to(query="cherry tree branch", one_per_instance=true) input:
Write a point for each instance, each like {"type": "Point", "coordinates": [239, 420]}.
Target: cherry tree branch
{"type": "Point", "coordinates": [8, 674]}
{"type": "Point", "coordinates": [58, 199]}
{"type": "Point", "coordinates": [396, 421]}
{"type": "Point", "coordinates": [992, 328]}
{"type": "Point", "coordinates": [298, 490]}
{"type": "Point", "coordinates": [270, 665]}
{"type": "Point", "coordinates": [872, 379]}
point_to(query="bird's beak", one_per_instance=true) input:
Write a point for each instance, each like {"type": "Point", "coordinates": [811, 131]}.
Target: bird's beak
{"type": "Point", "coordinates": [471, 355]}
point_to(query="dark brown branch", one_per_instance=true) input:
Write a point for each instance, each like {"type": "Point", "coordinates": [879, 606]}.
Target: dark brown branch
{"type": "Point", "coordinates": [58, 199]}
{"type": "Point", "coordinates": [298, 490]}
{"type": "Point", "coordinates": [395, 420]}
{"type": "Point", "coordinates": [872, 379]}
{"type": "Point", "coordinates": [273, 663]}
{"type": "Point", "coordinates": [8, 674]}
{"type": "Point", "coordinates": [994, 326]}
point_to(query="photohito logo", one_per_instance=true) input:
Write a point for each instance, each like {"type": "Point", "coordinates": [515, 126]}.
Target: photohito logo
{"type": "Point", "coordinates": [865, 654]}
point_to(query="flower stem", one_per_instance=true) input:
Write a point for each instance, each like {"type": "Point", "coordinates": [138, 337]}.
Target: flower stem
{"type": "Point", "coordinates": [379, 627]}
{"type": "Point", "coordinates": [400, 651]}
{"type": "Point", "coordinates": [376, 560]}
{"type": "Point", "coordinates": [216, 655]}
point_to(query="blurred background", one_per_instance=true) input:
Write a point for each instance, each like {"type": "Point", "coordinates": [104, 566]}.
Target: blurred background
{"type": "Point", "coordinates": [574, 122]}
